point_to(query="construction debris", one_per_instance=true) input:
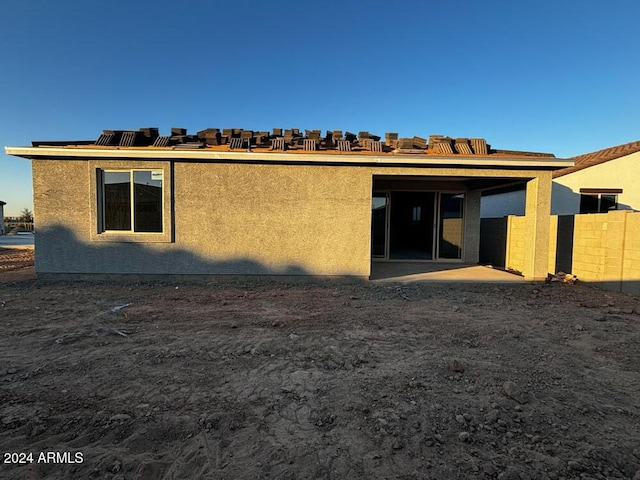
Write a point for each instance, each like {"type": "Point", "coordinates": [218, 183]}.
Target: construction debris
{"type": "Point", "coordinates": [562, 277]}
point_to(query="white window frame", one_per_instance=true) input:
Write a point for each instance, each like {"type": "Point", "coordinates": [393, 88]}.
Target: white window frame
{"type": "Point", "coordinates": [98, 232]}
{"type": "Point", "coordinates": [131, 171]}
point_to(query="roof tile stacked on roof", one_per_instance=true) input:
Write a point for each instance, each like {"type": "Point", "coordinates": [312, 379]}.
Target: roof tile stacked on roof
{"type": "Point", "coordinates": [291, 139]}
{"type": "Point", "coordinates": [334, 141]}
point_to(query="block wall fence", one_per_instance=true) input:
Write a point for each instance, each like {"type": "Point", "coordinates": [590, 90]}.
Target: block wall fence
{"type": "Point", "coordinates": [603, 248]}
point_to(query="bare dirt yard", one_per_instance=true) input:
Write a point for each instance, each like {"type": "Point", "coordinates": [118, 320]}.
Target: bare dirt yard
{"type": "Point", "coordinates": [328, 381]}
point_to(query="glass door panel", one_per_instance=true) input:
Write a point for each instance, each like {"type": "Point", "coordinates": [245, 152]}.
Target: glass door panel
{"type": "Point", "coordinates": [451, 227]}
{"type": "Point", "coordinates": [411, 225]}
{"type": "Point", "coordinates": [379, 207]}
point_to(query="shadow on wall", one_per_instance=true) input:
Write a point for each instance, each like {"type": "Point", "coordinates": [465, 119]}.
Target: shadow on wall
{"type": "Point", "coordinates": [493, 242]}
{"type": "Point", "coordinates": [59, 251]}
{"type": "Point", "coordinates": [629, 287]}
{"type": "Point", "coordinates": [564, 201]}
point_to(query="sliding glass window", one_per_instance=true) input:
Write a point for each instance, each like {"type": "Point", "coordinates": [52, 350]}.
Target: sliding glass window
{"type": "Point", "coordinates": [132, 200]}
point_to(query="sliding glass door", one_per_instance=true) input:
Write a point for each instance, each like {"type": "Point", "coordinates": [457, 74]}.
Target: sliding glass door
{"type": "Point", "coordinates": [410, 225]}
{"type": "Point", "coordinates": [379, 214]}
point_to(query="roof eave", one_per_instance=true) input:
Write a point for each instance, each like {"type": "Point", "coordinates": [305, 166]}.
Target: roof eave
{"type": "Point", "coordinates": [550, 163]}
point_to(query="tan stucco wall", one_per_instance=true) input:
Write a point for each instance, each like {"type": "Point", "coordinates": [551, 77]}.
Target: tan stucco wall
{"type": "Point", "coordinates": [60, 201]}
{"type": "Point", "coordinates": [621, 173]}
{"type": "Point", "coordinates": [237, 218]}
{"type": "Point", "coordinates": [528, 238]}
{"type": "Point", "coordinates": [537, 211]}
{"type": "Point", "coordinates": [314, 219]}
{"type": "Point", "coordinates": [229, 219]}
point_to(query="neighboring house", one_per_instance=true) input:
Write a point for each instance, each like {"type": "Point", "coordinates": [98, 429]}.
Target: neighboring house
{"type": "Point", "coordinates": [2, 204]}
{"type": "Point", "coordinates": [239, 202]}
{"type": "Point", "coordinates": [598, 182]}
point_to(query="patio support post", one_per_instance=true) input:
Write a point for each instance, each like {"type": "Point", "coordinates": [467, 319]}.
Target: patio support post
{"type": "Point", "coordinates": [537, 218]}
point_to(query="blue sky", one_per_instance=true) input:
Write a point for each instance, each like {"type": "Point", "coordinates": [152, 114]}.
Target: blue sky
{"type": "Point", "coordinates": [555, 76]}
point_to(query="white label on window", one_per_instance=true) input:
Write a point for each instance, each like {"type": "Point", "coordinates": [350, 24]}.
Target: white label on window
{"type": "Point", "coordinates": [156, 174]}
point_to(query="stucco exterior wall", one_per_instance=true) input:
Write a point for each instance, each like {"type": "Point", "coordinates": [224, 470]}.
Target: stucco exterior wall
{"type": "Point", "coordinates": [229, 219]}
{"type": "Point", "coordinates": [61, 205]}
{"type": "Point", "coordinates": [304, 219]}
{"type": "Point", "coordinates": [237, 218]}
{"type": "Point", "coordinates": [538, 205]}
{"type": "Point", "coordinates": [621, 173]}
{"type": "Point", "coordinates": [565, 196]}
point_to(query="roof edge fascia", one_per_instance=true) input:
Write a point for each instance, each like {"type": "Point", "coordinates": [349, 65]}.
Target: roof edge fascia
{"type": "Point", "coordinates": [326, 159]}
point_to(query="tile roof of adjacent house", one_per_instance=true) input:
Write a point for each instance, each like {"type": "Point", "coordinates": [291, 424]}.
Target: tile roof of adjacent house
{"type": "Point", "coordinates": [601, 156]}
{"type": "Point", "coordinates": [2, 203]}
{"type": "Point", "coordinates": [295, 140]}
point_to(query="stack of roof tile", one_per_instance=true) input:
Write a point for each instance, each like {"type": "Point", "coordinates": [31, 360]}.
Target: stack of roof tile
{"type": "Point", "coordinates": [310, 144]}
{"type": "Point", "coordinates": [128, 139]}
{"type": "Point", "coordinates": [236, 143]}
{"type": "Point", "coordinates": [479, 146]}
{"type": "Point", "coordinates": [162, 141]}
{"type": "Point", "coordinates": [311, 140]}
{"type": "Point", "coordinates": [462, 146]}
{"type": "Point", "coordinates": [278, 144]}
{"type": "Point", "coordinates": [391, 139]}
{"type": "Point", "coordinates": [211, 136]}
{"type": "Point", "coordinates": [344, 145]}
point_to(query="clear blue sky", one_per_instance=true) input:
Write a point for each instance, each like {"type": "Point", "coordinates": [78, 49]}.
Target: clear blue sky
{"type": "Point", "coordinates": [559, 76]}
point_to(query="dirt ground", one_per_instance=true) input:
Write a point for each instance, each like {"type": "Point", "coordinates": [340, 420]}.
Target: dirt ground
{"type": "Point", "coordinates": [328, 381]}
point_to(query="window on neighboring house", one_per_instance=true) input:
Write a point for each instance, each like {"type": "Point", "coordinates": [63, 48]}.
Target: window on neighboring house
{"type": "Point", "coordinates": [599, 200]}
{"type": "Point", "coordinates": [131, 201]}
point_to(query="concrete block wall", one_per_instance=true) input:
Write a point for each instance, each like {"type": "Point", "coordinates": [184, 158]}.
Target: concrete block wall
{"type": "Point", "coordinates": [631, 255]}
{"type": "Point", "coordinates": [516, 243]}
{"type": "Point", "coordinates": [588, 247]}
{"type": "Point", "coordinates": [599, 244]}
{"type": "Point", "coordinates": [553, 243]}
{"type": "Point", "coordinates": [606, 248]}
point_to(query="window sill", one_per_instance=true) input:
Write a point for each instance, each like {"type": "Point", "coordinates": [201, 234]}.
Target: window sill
{"type": "Point", "coordinates": [130, 237]}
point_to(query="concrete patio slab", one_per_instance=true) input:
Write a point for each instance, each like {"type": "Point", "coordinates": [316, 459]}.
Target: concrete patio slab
{"type": "Point", "coordinates": [439, 272]}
